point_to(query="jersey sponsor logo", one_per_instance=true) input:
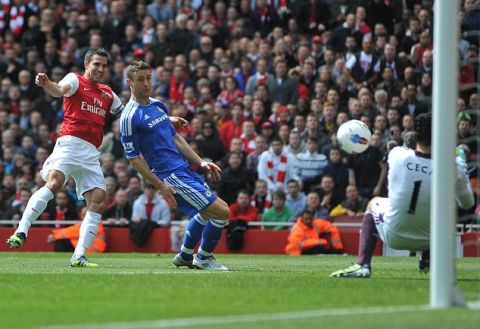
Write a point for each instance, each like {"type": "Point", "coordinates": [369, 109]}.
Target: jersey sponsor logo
{"type": "Point", "coordinates": [128, 147]}
{"type": "Point", "coordinates": [96, 108]}
{"type": "Point", "coordinates": [156, 121]}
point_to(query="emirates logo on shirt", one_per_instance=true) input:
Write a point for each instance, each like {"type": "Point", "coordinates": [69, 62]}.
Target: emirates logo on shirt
{"type": "Point", "coordinates": [96, 108]}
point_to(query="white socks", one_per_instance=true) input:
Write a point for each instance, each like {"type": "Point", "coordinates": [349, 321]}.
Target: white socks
{"type": "Point", "coordinates": [35, 206]}
{"type": "Point", "coordinates": [88, 232]}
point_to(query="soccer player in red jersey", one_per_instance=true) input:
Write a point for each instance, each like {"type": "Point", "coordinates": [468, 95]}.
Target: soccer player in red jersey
{"type": "Point", "coordinates": [86, 104]}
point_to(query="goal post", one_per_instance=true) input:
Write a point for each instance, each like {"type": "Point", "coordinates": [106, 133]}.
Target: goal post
{"type": "Point", "coordinates": [443, 213]}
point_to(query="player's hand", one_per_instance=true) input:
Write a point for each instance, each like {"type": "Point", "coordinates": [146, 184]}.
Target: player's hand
{"type": "Point", "coordinates": [167, 192]}
{"type": "Point", "coordinates": [178, 122]}
{"type": "Point", "coordinates": [42, 80]}
{"type": "Point", "coordinates": [211, 169]}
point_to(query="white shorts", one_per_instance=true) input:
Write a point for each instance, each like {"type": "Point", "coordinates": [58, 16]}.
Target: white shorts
{"type": "Point", "coordinates": [390, 236]}
{"type": "Point", "coordinates": [79, 159]}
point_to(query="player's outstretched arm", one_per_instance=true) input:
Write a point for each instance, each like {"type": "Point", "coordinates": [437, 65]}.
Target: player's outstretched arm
{"type": "Point", "coordinates": [52, 88]}
{"type": "Point", "coordinates": [165, 190]}
{"type": "Point", "coordinates": [193, 157]}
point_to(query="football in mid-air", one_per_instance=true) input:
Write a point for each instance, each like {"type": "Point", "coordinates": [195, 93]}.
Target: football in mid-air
{"type": "Point", "coordinates": [354, 136]}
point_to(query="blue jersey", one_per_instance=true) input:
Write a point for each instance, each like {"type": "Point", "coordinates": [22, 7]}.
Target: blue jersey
{"type": "Point", "coordinates": [147, 130]}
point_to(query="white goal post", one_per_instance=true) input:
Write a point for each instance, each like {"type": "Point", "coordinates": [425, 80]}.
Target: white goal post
{"type": "Point", "coordinates": [443, 292]}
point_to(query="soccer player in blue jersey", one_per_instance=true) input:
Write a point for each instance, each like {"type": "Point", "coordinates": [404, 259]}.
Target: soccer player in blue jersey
{"type": "Point", "coordinates": [162, 157]}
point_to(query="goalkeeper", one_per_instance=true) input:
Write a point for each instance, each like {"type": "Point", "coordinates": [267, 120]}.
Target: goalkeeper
{"type": "Point", "coordinates": [402, 220]}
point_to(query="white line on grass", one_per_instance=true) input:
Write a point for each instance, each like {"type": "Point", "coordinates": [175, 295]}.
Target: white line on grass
{"type": "Point", "coordinates": [220, 320]}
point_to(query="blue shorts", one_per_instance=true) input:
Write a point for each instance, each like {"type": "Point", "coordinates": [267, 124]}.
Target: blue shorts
{"type": "Point", "coordinates": [193, 194]}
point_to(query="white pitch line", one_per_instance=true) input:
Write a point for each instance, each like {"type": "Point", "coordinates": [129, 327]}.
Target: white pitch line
{"type": "Point", "coordinates": [246, 318]}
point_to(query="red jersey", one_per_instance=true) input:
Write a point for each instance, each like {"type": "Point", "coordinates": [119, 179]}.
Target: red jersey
{"type": "Point", "coordinates": [85, 107]}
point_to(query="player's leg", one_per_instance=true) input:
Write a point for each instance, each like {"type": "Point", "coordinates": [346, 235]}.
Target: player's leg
{"type": "Point", "coordinates": [193, 197]}
{"type": "Point", "coordinates": [424, 263]}
{"type": "Point", "coordinates": [192, 236]}
{"type": "Point", "coordinates": [35, 206]}
{"type": "Point", "coordinates": [90, 185]}
{"type": "Point", "coordinates": [218, 212]}
{"type": "Point", "coordinates": [89, 227]}
{"type": "Point", "coordinates": [368, 239]}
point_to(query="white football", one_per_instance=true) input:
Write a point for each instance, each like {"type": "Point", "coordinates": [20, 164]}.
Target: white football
{"type": "Point", "coordinates": [354, 136]}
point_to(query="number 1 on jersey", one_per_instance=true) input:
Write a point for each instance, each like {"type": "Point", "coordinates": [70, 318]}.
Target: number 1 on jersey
{"type": "Point", "coordinates": [414, 198]}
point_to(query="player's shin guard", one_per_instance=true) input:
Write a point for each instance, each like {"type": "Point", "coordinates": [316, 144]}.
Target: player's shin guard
{"type": "Point", "coordinates": [88, 232]}
{"type": "Point", "coordinates": [35, 206]}
{"type": "Point", "coordinates": [368, 239]}
{"type": "Point", "coordinates": [193, 234]}
{"type": "Point", "coordinates": [210, 238]}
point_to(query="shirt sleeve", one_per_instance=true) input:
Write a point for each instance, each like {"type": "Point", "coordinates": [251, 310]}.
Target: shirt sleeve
{"type": "Point", "coordinates": [137, 209]}
{"type": "Point", "coordinates": [129, 136]}
{"type": "Point", "coordinates": [72, 80]}
{"type": "Point", "coordinates": [117, 105]}
{"type": "Point", "coordinates": [351, 62]}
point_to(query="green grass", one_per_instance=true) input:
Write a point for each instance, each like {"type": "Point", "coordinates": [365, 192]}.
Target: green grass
{"type": "Point", "coordinates": [38, 289]}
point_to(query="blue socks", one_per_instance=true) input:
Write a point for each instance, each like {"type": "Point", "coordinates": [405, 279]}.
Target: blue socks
{"type": "Point", "coordinates": [211, 235]}
{"type": "Point", "coordinates": [193, 234]}
{"type": "Point", "coordinates": [209, 231]}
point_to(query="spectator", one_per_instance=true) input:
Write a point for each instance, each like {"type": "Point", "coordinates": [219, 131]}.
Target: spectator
{"type": "Point", "coordinates": [353, 205]}
{"type": "Point", "coordinates": [283, 89]}
{"type": "Point", "coordinates": [150, 206]}
{"type": "Point", "coordinates": [313, 205]}
{"type": "Point", "coordinates": [242, 209]}
{"type": "Point", "coordinates": [311, 235]}
{"type": "Point", "coordinates": [234, 178]}
{"type": "Point", "coordinates": [16, 207]}
{"type": "Point", "coordinates": [465, 135]}
{"type": "Point", "coordinates": [134, 189]}
{"type": "Point", "coordinates": [276, 167]}
{"type": "Point", "coordinates": [260, 147]}
{"type": "Point", "coordinates": [328, 194]}
{"type": "Point", "coordinates": [296, 145]}
{"type": "Point", "coordinates": [309, 166]}
{"type": "Point", "coordinates": [279, 212]}
{"type": "Point", "coordinates": [120, 213]}
{"type": "Point", "coordinates": [232, 127]}
{"type": "Point", "coordinates": [412, 105]}
{"type": "Point", "coordinates": [61, 208]}
{"type": "Point", "coordinates": [260, 198]}
{"type": "Point", "coordinates": [209, 144]}
{"type": "Point", "coordinates": [296, 199]}
{"type": "Point", "coordinates": [363, 66]}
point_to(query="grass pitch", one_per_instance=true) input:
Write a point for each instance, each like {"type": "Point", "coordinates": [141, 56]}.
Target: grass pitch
{"type": "Point", "coordinates": [38, 290]}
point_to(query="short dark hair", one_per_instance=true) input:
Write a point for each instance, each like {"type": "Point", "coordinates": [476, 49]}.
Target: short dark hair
{"type": "Point", "coordinates": [279, 194]}
{"type": "Point", "coordinates": [423, 128]}
{"type": "Point", "coordinates": [136, 66]}
{"type": "Point", "coordinates": [96, 51]}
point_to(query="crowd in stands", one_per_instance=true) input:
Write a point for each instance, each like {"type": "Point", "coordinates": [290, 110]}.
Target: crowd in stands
{"type": "Point", "coordinates": [264, 84]}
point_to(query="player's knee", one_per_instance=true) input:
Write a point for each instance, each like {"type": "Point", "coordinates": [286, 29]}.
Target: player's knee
{"type": "Point", "coordinates": [224, 211]}
{"type": "Point", "coordinates": [55, 181]}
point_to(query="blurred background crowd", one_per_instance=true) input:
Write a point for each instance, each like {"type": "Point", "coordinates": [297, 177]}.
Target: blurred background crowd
{"type": "Point", "coordinates": [264, 84]}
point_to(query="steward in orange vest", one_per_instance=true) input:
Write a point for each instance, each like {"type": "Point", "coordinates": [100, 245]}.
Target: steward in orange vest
{"type": "Point", "coordinates": [66, 239]}
{"type": "Point", "coordinates": [313, 236]}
